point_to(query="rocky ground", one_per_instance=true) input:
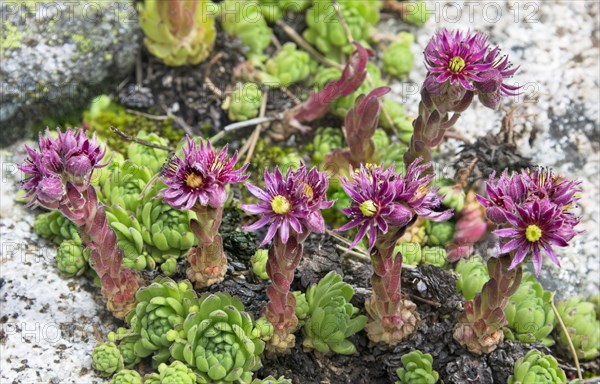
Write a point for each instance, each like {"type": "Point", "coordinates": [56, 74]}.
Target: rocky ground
{"type": "Point", "coordinates": [49, 325]}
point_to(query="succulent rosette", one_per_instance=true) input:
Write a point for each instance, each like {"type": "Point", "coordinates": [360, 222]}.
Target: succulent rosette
{"type": "Point", "coordinates": [245, 21]}
{"type": "Point", "coordinates": [331, 318]}
{"type": "Point", "coordinates": [244, 103]}
{"type": "Point", "coordinates": [126, 376]}
{"type": "Point", "coordinates": [583, 327]}
{"type": "Point", "coordinates": [106, 359]}
{"type": "Point", "coordinates": [165, 230]}
{"type": "Point", "coordinates": [397, 57]}
{"type": "Point", "coordinates": [439, 234]}
{"type": "Point", "coordinates": [417, 368]}
{"type": "Point", "coordinates": [125, 185]}
{"type": "Point", "coordinates": [129, 239]}
{"type": "Point", "coordinates": [290, 65]}
{"type": "Point", "coordinates": [529, 313]}
{"type": "Point", "coordinates": [159, 308]}
{"type": "Point", "coordinates": [259, 263]}
{"type": "Point", "coordinates": [473, 274]}
{"type": "Point", "coordinates": [536, 367]}
{"type": "Point", "coordinates": [126, 339]}
{"type": "Point", "coordinates": [71, 258]}
{"type": "Point", "coordinates": [175, 373]}
{"type": "Point", "coordinates": [55, 227]}
{"type": "Point", "coordinates": [178, 32]}
{"type": "Point", "coordinates": [146, 156]}
{"type": "Point", "coordinates": [411, 252]}
{"type": "Point", "coordinates": [216, 341]}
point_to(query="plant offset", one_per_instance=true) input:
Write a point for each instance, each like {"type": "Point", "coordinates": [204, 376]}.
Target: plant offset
{"type": "Point", "coordinates": [162, 225]}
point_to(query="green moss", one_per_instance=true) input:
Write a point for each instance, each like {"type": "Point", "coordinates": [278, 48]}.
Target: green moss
{"type": "Point", "coordinates": [11, 37]}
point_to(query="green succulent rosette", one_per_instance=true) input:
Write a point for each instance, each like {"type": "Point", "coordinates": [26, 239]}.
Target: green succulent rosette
{"type": "Point", "coordinates": [129, 238]}
{"type": "Point", "coordinates": [411, 253]}
{"type": "Point", "coordinates": [125, 184]}
{"type": "Point", "coordinates": [126, 339]}
{"type": "Point", "coordinates": [473, 274]}
{"type": "Point", "coordinates": [259, 263]}
{"type": "Point", "coordinates": [302, 307]}
{"type": "Point", "coordinates": [169, 266]}
{"type": "Point", "coordinates": [435, 256]}
{"type": "Point", "coordinates": [55, 227]}
{"type": "Point", "coordinates": [150, 157]}
{"type": "Point", "coordinates": [454, 195]}
{"type": "Point", "coordinates": [582, 326]}
{"type": "Point", "coordinates": [439, 233]}
{"type": "Point", "coordinates": [290, 65]}
{"type": "Point", "coordinates": [417, 369]}
{"type": "Point", "coordinates": [324, 142]}
{"type": "Point", "coordinates": [107, 359]}
{"type": "Point", "coordinates": [263, 329]}
{"type": "Point", "coordinates": [331, 317]}
{"type": "Point", "coordinates": [181, 33]}
{"type": "Point", "coordinates": [274, 10]}
{"type": "Point", "coordinates": [272, 380]}
{"type": "Point", "coordinates": [159, 308]}
{"type": "Point", "coordinates": [537, 368]}
{"type": "Point", "coordinates": [72, 258]}
{"type": "Point", "coordinates": [244, 102]}
{"type": "Point", "coordinates": [165, 230]}
{"type": "Point", "coordinates": [217, 341]}
{"type": "Point", "coordinates": [126, 376]}
{"type": "Point", "coordinates": [398, 60]}
{"type": "Point", "coordinates": [245, 20]}
{"type": "Point", "coordinates": [175, 373]}
{"type": "Point", "coordinates": [529, 313]}
{"type": "Point", "coordinates": [417, 13]}
{"type": "Point", "coordinates": [326, 32]}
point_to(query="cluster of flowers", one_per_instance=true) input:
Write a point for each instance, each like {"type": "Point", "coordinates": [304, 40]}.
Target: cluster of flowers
{"type": "Point", "coordinates": [533, 209]}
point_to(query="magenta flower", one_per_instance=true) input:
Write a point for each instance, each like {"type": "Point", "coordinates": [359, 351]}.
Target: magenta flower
{"type": "Point", "coordinates": [503, 195]}
{"type": "Point", "coordinates": [382, 199]}
{"type": "Point", "coordinates": [534, 228]}
{"type": "Point", "coordinates": [559, 190]}
{"type": "Point", "coordinates": [70, 158]}
{"type": "Point", "coordinates": [200, 177]}
{"type": "Point", "coordinates": [457, 57]}
{"type": "Point", "coordinates": [289, 203]}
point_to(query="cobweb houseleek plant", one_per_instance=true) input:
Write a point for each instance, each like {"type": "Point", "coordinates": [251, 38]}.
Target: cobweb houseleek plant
{"type": "Point", "coordinates": [383, 204]}
{"type": "Point", "coordinates": [198, 182]}
{"type": "Point", "coordinates": [291, 206]}
{"type": "Point", "coordinates": [459, 66]}
{"type": "Point", "coordinates": [59, 175]}
{"type": "Point", "coordinates": [533, 210]}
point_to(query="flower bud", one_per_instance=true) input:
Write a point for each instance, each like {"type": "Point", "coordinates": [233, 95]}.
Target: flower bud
{"type": "Point", "coordinates": [79, 166]}
{"type": "Point", "coordinates": [50, 190]}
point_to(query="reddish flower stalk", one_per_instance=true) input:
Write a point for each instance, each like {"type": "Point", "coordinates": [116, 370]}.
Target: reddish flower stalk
{"type": "Point", "coordinates": [383, 205]}
{"type": "Point", "coordinates": [459, 65]}
{"type": "Point", "coordinates": [291, 206]}
{"type": "Point", "coordinates": [317, 104]}
{"type": "Point", "coordinates": [533, 212]}
{"type": "Point", "coordinates": [471, 226]}
{"type": "Point", "coordinates": [359, 127]}
{"type": "Point", "coordinates": [59, 177]}
{"type": "Point", "coordinates": [198, 182]}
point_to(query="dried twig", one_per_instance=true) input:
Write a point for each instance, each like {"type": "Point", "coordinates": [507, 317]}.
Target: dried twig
{"type": "Point", "coordinates": [350, 252]}
{"type": "Point", "coordinates": [251, 143]}
{"type": "Point", "coordinates": [342, 20]}
{"type": "Point", "coordinates": [140, 141]}
{"type": "Point", "coordinates": [147, 115]}
{"type": "Point", "coordinates": [186, 128]}
{"type": "Point", "coordinates": [251, 122]}
{"type": "Point", "coordinates": [426, 301]}
{"type": "Point", "coordinates": [451, 134]}
{"type": "Point", "coordinates": [292, 34]}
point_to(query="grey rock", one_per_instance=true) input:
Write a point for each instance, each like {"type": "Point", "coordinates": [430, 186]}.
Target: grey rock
{"type": "Point", "coordinates": [58, 55]}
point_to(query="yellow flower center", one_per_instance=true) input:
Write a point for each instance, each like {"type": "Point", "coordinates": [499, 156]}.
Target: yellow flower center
{"type": "Point", "coordinates": [456, 64]}
{"type": "Point", "coordinates": [308, 192]}
{"type": "Point", "coordinates": [280, 205]}
{"type": "Point", "coordinates": [193, 180]}
{"type": "Point", "coordinates": [533, 233]}
{"type": "Point", "coordinates": [368, 208]}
